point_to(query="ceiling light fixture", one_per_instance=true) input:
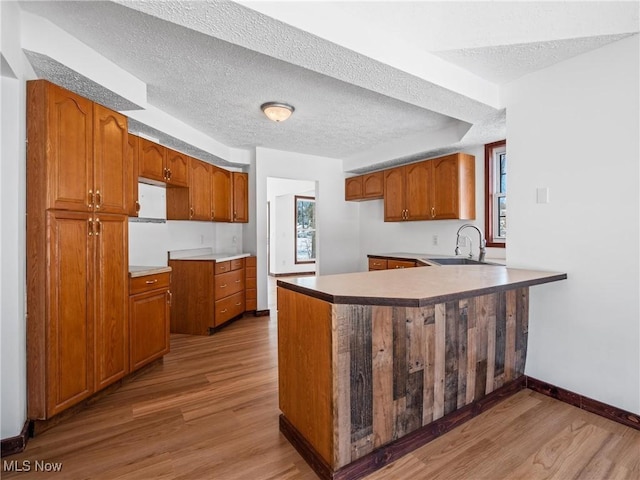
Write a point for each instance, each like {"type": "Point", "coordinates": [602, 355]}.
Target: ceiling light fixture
{"type": "Point", "coordinates": [276, 111]}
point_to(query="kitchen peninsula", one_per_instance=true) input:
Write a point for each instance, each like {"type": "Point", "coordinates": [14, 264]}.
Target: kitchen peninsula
{"type": "Point", "coordinates": [374, 364]}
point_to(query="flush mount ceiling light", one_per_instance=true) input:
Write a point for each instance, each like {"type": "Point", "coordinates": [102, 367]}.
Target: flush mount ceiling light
{"type": "Point", "coordinates": [276, 111]}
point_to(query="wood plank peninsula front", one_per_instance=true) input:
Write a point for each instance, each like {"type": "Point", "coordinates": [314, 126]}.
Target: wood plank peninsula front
{"type": "Point", "coordinates": [372, 365]}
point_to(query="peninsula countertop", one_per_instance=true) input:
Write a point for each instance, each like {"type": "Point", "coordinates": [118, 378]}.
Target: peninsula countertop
{"type": "Point", "coordinates": [416, 287]}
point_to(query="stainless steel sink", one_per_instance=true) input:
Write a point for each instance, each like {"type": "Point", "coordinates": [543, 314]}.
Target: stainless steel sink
{"type": "Point", "coordinates": [458, 261]}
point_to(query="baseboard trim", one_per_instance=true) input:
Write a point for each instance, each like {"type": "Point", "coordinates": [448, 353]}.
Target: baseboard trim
{"type": "Point", "coordinates": [585, 403]}
{"type": "Point", "coordinates": [394, 450]}
{"type": "Point", "coordinates": [17, 444]}
{"type": "Point", "coordinates": [262, 313]}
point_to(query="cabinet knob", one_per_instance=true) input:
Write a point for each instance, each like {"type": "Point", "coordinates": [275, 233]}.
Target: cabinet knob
{"type": "Point", "coordinates": [433, 212]}
{"type": "Point", "coordinates": [90, 198]}
{"type": "Point", "coordinates": [98, 199]}
{"type": "Point", "coordinates": [190, 212]}
{"type": "Point", "coordinates": [90, 226]}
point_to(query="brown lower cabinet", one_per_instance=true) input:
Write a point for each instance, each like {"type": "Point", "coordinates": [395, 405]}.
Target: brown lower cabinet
{"type": "Point", "coordinates": [149, 313]}
{"type": "Point", "coordinates": [207, 294]}
{"type": "Point", "coordinates": [380, 263]}
{"type": "Point", "coordinates": [77, 331]}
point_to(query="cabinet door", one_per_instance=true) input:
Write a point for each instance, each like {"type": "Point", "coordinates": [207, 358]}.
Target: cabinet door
{"type": "Point", "coordinates": [418, 192]}
{"type": "Point", "coordinates": [221, 191]}
{"type": "Point", "coordinates": [394, 204]}
{"type": "Point", "coordinates": [151, 160]}
{"type": "Point", "coordinates": [240, 197]}
{"type": "Point", "coordinates": [353, 188]}
{"type": "Point", "coordinates": [373, 185]}
{"type": "Point", "coordinates": [133, 205]}
{"type": "Point", "coordinates": [111, 299]}
{"type": "Point", "coordinates": [149, 327]}
{"type": "Point", "coordinates": [111, 157]}
{"type": "Point", "coordinates": [177, 173]}
{"type": "Point", "coordinates": [70, 330]}
{"type": "Point", "coordinates": [200, 189]}
{"type": "Point", "coordinates": [454, 187]}
{"type": "Point", "coordinates": [70, 150]}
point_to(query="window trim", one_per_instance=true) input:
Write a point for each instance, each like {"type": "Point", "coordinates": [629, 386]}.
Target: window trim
{"type": "Point", "coordinates": [489, 190]}
{"type": "Point", "coordinates": [295, 229]}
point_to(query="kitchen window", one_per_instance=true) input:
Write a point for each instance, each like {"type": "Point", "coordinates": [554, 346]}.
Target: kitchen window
{"type": "Point", "coordinates": [305, 225]}
{"type": "Point", "coordinates": [495, 174]}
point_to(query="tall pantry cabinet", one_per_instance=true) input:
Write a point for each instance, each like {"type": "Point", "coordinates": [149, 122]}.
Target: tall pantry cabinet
{"type": "Point", "coordinates": [77, 265]}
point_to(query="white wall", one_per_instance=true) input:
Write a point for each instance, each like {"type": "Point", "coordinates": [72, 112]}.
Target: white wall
{"type": "Point", "coordinates": [378, 236]}
{"type": "Point", "coordinates": [13, 384]}
{"type": "Point", "coordinates": [337, 220]}
{"type": "Point", "coordinates": [574, 128]}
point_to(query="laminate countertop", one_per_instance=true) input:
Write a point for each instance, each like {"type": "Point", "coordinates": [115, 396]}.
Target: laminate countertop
{"type": "Point", "coordinates": [416, 287]}
{"type": "Point", "coordinates": [142, 271]}
{"type": "Point", "coordinates": [205, 254]}
{"type": "Point", "coordinates": [423, 258]}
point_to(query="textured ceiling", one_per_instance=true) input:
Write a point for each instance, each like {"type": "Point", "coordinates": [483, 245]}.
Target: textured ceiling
{"type": "Point", "coordinates": [212, 64]}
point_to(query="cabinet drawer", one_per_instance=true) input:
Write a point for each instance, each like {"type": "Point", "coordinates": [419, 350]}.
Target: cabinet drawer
{"type": "Point", "coordinates": [229, 307]}
{"type": "Point", "coordinates": [237, 263]}
{"type": "Point", "coordinates": [149, 282]}
{"type": "Point", "coordinates": [222, 267]}
{"type": "Point", "coordinates": [377, 264]}
{"type": "Point", "coordinates": [229, 283]}
{"type": "Point", "coordinates": [400, 264]}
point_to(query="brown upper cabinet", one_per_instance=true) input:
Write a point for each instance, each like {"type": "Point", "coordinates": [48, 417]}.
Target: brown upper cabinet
{"type": "Point", "coordinates": [240, 183]}
{"type": "Point", "coordinates": [221, 195]}
{"type": "Point", "coordinates": [193, 203]}
{"type": "Point", "coordinates": [177, 169]}
{"type": "Point", "coordinates": [200, 190]}
{"type": "Point", "coordinates": [442, 188]}
{"type": "Point", "coordinates": [159, 164]}
{"type": "Point", "coordinates": [364, 187]}
{"type": "Point", "coordinates": [82, 147]}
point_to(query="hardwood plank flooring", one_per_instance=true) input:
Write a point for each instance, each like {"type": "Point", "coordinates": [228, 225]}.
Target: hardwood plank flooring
{"type": "Point", "coordinates": [210, 411]}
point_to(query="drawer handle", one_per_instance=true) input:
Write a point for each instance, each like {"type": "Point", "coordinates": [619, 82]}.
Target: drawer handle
{"type": "Point", "coordinates": [223, 286]}
{"type": "Point", "coordinates": [151, 282]}
{"type": "Point", "coordinates": [238, 281]}
{"type": "Point", "coordinates": [223, 311]}
{"type": "Point", "coordinates": [238, 304]}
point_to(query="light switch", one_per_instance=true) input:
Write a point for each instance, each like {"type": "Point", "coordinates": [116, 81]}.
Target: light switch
{"type": "Point", "coordinates": [543, 195]}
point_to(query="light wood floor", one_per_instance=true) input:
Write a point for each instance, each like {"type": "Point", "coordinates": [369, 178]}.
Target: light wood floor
{"type": "Point", "coordinates": [210, 411]}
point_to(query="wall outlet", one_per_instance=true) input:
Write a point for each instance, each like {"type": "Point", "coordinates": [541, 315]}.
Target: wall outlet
{"type": "Point", "coordinates": [434, 240]}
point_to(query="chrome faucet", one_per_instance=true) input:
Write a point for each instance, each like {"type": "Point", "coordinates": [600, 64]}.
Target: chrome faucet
{"type": "Point", "coordinates": [483, 241]}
